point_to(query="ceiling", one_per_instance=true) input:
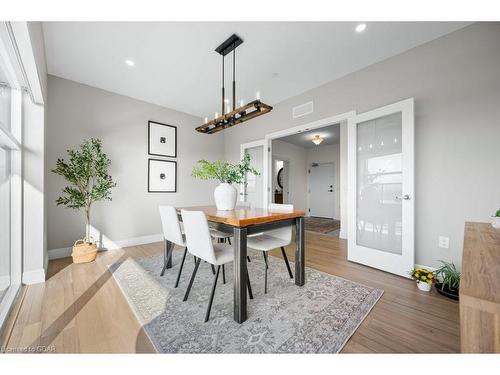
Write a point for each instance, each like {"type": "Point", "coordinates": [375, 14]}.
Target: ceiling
{"type": "Point", "coordinates": [176, 66]}
{"type": "Point", "coordinates": [330, 134]}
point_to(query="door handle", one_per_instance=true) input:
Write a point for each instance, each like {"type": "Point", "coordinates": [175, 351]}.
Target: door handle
{"type": "Point", "coordinates": [330, 191]}
{"type": "Point", "coordinates": [405, 197]}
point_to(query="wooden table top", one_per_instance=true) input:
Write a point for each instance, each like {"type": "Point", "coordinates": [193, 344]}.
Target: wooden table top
{"type": "Point", "coordinates": [481, 262]}
{"type": "Point", "coordinates": [244, 217]}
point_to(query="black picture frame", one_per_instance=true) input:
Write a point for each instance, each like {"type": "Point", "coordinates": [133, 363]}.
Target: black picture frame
{"type": "Point", "coordinates": [149, 175]}
{"type": "Point", "coordinates": [150, 122]}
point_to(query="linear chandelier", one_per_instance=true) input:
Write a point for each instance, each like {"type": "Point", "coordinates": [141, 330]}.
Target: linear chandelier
{"type": "Point", "coordinates": [237, 115]}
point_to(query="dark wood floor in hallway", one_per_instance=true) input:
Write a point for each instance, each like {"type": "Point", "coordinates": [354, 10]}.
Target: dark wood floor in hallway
{"type": "Point", "coordinates": [81, 309]}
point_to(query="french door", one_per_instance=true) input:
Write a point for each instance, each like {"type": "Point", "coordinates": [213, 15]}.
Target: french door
{"type": "Point", "coordinates": [253, 192]}
{"type": "Point", "coordinates": [381, 188]}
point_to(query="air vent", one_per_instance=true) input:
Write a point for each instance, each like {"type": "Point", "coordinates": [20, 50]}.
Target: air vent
{"type": "Point", "coordinates": [303, 109]}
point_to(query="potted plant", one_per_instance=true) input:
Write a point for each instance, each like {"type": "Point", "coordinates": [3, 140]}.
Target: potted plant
{"type": "Point", "coordinates": [424, 278]}
{"type": "Point", "coordinates": [227, 174]}
{"type": "Point", "coordinates": [495, 220]}
{"type": "Point", "coordinates": [448, 280]}
{"type": "Point", "coordinates": [87, 173]}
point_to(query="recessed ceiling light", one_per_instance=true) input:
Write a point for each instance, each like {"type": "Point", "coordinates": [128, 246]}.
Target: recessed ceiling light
{"type": "Point", "coordinates": [361, 27]}
{"type": "Point", "coordinates": [129, 62]}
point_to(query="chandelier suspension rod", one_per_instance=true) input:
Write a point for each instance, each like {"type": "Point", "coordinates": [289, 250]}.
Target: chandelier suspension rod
{"type": "Point", "coordinates": [223, 93]}
{"type": "Point", "coordinates": [234, 75]}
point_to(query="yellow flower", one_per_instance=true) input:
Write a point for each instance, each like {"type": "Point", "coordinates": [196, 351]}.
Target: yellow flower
{"type": "Point", "coordinates": [429, 281]}
{"type": "Point", "coordinates": [424, 278]}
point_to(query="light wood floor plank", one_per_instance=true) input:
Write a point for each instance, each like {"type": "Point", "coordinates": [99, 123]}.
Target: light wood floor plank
{"type": "Point", "coordinates": [81, 309]}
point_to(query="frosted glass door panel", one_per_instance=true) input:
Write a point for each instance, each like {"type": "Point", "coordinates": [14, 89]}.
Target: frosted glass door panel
{"type": "Point", "coordinates": [254, 188]}
{"type": "Point", "coordinates": [379, 184]}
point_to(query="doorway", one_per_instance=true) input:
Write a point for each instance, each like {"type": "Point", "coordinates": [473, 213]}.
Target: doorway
{"type": "Point", "coordinates": [280, 188]}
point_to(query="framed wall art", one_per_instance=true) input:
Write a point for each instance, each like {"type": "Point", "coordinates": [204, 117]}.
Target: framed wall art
{"type": "Point", "coordinates": [162, 176]}
{"type": "Point", "coordinates": [162, 139]}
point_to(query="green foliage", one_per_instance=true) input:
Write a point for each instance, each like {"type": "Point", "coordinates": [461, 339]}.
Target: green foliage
{"type": "Point", "coordinates": [87, 173]}
{"type": "Point", "coordinates": [224, 171]}
{"type": "Point", "coordinates": [449, 274]}
{"type": "Point", "coordinates": [497, 214]}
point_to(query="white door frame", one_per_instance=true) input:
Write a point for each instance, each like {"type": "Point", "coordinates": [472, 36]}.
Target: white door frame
{"type": "Point", "coordinates": [346, 116]}
{"type": "Point", "coordinates": [265, 166]}
{"type": "Point", "coordinates": [372, 257]}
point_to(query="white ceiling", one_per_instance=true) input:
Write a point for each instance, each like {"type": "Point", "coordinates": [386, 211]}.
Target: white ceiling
{"type": "Point", "coordinates": [176, 66]}
{"type": "Point", "coordinates": [330, 134]}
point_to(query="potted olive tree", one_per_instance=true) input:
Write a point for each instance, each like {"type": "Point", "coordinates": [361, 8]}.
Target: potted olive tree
{"type": "Point", "coordinates": [86, 171]}
{"type": "Point", "coordinates": [227, 174]}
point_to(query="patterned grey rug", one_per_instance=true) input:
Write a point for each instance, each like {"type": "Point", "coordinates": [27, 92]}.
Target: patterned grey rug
{"type": "Point", "coordinates": [317, 318]}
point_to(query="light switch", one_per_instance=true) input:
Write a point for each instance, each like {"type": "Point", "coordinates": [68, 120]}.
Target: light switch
{"type": "Point", "coordinates": [444, 242]}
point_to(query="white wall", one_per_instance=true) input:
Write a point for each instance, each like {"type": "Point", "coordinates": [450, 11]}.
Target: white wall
{"type": "Point", "coordinates": [78, 112]}
{"type": "Point", "coordinates": [297, 175]}
{"type": "Point", "coordinates": [327, 154]}
{"type": "Point", "coordinates": [455, 81]}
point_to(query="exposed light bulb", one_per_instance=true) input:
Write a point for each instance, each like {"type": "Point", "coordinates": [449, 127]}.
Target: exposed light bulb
{"type": "Point", "coordinates": [371, 146]}
{"type": "Point", "coordinates": [216, 114]}
{"type": "Point", "coordinates": [241, 102]}
{"type": "Point", "coordinates": [382, 143]}
{"type": "Point", "coordinates": [206, 120]}
{"type": "Point", "coordinates": [129, 62]}
{"type": "Point", "coordinates": [361, 27]}
{"type": "Point", "coordinates": [395, 140]}
{"type": "Point", "coordinates": [257, 95]}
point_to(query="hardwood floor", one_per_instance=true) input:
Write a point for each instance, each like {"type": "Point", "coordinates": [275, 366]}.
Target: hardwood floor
{"type": "Point", "coordinates": [81, 308]}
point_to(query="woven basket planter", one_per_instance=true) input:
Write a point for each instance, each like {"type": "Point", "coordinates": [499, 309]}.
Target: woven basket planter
{"type": "Point", "coordinates": [84, 252]}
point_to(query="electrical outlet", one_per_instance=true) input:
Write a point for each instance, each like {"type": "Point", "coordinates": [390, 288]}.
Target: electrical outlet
{"type": "Point", "coordinates": [444, 242]}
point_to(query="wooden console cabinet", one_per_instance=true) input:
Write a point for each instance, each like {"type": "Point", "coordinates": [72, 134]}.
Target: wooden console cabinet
{"type": "Point", "coordinates": [480, 290]}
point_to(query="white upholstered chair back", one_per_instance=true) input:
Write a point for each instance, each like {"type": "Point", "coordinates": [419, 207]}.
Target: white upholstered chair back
{"type": "Point", "coordinates": [170, 224]}
{"type": "Point", "coordinates": [198, 239]}
{"type": "Point", "coordinates": [286, 232]}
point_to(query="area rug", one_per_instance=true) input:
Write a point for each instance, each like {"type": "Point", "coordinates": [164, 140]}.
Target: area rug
{"type": "Point", "coordinates": [321, 225]}
{"type": "Point", "coordinates": [317, 318]}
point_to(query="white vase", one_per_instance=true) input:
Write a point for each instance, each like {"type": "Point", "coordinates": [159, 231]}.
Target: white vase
{"type": "Point", "coordinates": [495, 222]}
{"type": "Point", "coordinates": [423, 286]}
{"type": "Point", "coordinates": [225, 197]}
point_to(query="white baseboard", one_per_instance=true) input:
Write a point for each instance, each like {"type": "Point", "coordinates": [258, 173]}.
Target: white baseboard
{"type": "Point", "coordinates": [34, 276]}
{"type": "Point", "coordinates": [4, 282]}
{"type": "Point", "coordinates": [64, 252]}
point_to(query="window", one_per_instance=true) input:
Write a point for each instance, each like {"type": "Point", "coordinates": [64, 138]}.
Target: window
{"type": "Point", "coordinates": [5, 264]}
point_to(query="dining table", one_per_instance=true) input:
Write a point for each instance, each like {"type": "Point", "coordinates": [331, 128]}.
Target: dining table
{"type": "Point", "coordinates": [245, 221]}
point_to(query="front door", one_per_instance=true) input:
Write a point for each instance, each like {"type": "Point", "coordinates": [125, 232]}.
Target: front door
{"type": "Point", "coordinates": [381, 191]}
{"type": "Point", "coordinates": [321, 190]}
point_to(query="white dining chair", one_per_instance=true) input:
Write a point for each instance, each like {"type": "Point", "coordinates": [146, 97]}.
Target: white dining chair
{"type": "Point", "coordinates": [226, 237]}
{"type": "Point", "coordinates": [173, 232]}
{"type": "Point", "coordinates": [199, 243]}
{"type": "Point", "coordinates": [273, 239]}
